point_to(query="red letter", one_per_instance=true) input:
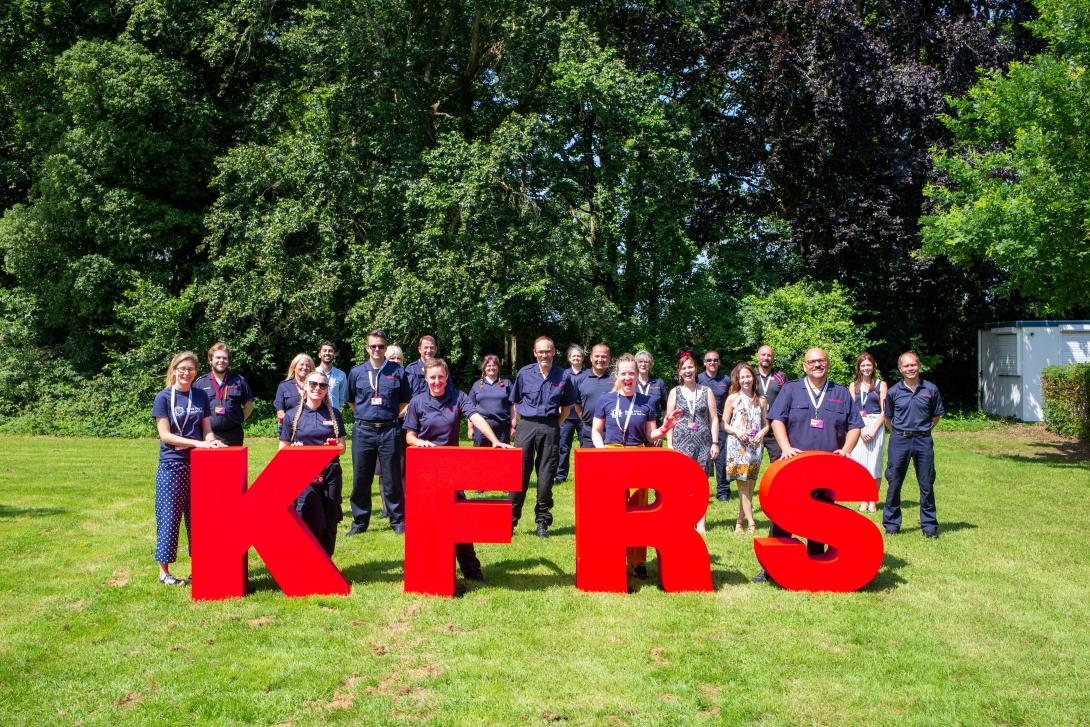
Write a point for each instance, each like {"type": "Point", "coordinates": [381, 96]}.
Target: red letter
{"type": "Point", "coordinates": [435, 519]}
{"type": "Point", "coordinates": [855, 543]}
{"type": "Point", "coordinates": [604, 527]}
{"type": "Point", "coordinates": [227, 520]}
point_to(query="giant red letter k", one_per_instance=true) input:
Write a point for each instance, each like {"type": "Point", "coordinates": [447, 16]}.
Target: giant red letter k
{"type": "Point", "coordinates": [228, 520]}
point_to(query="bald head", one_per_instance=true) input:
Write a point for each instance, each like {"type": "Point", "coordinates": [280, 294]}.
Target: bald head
{"type": "Point", "coordinates": [817, 366]}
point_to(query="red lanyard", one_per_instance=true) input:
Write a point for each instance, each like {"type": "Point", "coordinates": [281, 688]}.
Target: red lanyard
{"type": "Point", "coordinates": [220, 392]}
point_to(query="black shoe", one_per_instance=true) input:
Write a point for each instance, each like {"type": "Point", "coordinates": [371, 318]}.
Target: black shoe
{"type": "Point", "coordinates": [892, 531]}
{"type": "Point", "coordinates": [641, 572]}
{"type": "Point", "coordinates": [355, 530]}
{"type": "Point", "coordinates": [398, 529]}
{"type": "Point", "coordinates": [542, 531]}
{"type": "Point", "coordinates": [383, 516]}
{"type": "Point", "coordinates": [761, 577]}
{"type": "Point", "coordinates": [459, 590]}
{"type": "Point", "coordinates": [474, 576]}
{"type": "Point", "coordinates": [932, 534]}
{"type": "Point", "coordinates": [722, 498]}
{"type": "Point", "coordinates": [560, 480]}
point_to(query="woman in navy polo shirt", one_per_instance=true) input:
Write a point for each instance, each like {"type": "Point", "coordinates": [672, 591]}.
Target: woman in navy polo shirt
{"type": "Point", "coordinates": [431, 420]}
{"type": "Point", "coordinates": [290, 391]}
{"type": "Point", "coordinates": [626, 418]}
{"type": "Point", "coordinates": [314, 421]}
{"type": "Point", "coordinates": [650, 386]}
{"type": "Point", "coordinates": [183, 419]}
{"type": "Point", "coordinates": [489, 397]}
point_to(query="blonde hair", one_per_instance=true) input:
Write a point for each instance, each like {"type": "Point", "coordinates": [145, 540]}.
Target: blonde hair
{"type": "Point", "coordinates": [176, 360]}
{"type": "Point", "coordinates": [623, 358]}
{"type": "Point", "coordinates": [394, 350]}
{"type": "Point", "coordinates": [328, 407]}
{"type": "Point", "coordinates": [295, 364]}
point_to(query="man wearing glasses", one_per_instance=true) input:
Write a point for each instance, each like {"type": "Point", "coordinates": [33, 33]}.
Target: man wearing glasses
{"type": "Point", "coordinates": [378, 394]}
{"type": "Point", "coordinates": [719, 384]}
{"type": "Point", "coordinates": [540, 389]}
{"type": "Point", "coordinates": [810, 414]}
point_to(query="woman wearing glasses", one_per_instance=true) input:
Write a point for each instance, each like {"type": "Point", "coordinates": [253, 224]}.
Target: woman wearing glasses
{"type": "Point", "coordinates": [314, 421]}
{"type": "Point", "coordinates": [183, 419]}
{"type": "Point", "coordinates": [290, 391]}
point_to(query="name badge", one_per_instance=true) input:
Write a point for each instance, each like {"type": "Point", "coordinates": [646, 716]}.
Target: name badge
{"type": "Point", "coordinates": [817, 423]}
{"type": "Point", "coordinates": [328, 422]}
{"type": "Point", "coordinates": [694, 426]}
{"type": "Point", "coordinates": [376, 401]}
{"type": "Point", "coordinates": [221, 409]}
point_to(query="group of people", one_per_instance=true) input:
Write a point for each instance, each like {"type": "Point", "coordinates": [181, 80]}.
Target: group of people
{"type": "Point", "coordinates": [725, 422]}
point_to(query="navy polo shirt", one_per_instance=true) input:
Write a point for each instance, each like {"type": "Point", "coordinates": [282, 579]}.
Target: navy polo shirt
{"type": "Point", "coordinates": [838, 412]}
{"type": "Point", "coordinates": [190, 409]}
{"type": "Point", "coordinates": [576, 379]}
{"type": "Point", "coordinates": [590, 388]}
{"type": "Point", "coordinates": [535, 396]}
{"type": "Point", "coordinates": [287, 396]}
{"type": "Point", "coordinates": [388, 381]}
{"type": "Point", "coordinates": [912, 411]}
{"type": "Point", "coordinates": [770, 386]}
{"type": "Point", "coordinates": [719, 385]}
{"type": "Point", "coordinates": [232, 397]}
{"type": "Point", "coordinates": [436, 420]}
{"type": "Point", "coordinates": [314, 425]}
{"type": "Point", "coordinates": [490, 399]}
{"type": "Point", "coordinates": [613, 409]}
{"type": "Point", "coordinates": [414, 372]}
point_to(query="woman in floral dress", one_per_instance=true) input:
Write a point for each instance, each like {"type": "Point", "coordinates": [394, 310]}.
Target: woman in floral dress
{"type": "Point", "coordinates": [745, 420]}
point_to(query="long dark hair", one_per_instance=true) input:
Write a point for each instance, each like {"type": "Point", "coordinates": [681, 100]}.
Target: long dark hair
{"type": "Point", "coordinates": [865, 356]}
{"type": "Point", "coordinates": [735, 387]}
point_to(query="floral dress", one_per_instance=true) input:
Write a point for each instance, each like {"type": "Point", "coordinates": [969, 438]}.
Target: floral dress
{"type": "Point", "coordinates": [744, 462]}
{"type": "Point", "coordinates": [692, 435]}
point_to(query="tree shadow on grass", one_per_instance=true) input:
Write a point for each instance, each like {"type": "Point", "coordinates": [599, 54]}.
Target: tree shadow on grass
{"type": "Point", "coordinates": [7, 511]}
{"type": "Point", "coordinates": [1055, 454]}
{"type": "Point", "coordinates": [509, 574]}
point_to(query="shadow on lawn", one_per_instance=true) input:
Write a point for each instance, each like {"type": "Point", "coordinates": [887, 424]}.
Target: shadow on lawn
{"type": "Point", "coordinates": [509, 574]}
{"type": "Point", "coordinates": [887, 578]}
{"type": "Point", "coordinates": [1054, 454]}
{"type": "Point", "coordinates": [6, 511]}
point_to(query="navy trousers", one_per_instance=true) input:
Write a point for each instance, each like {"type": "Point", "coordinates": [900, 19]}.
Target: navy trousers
{"type": "Point", "coordinates": [722, 483]}
{"type": "Point", "coordinates": [570, 429]}
{"type": "Point", "coordinates": [921, 450]}
{"type": "Point", "coordinates": [371, 449]}
{"type": "Point", "coordinates": [320, 506]}
{"type": "Point", "coordinates": [502, 430]}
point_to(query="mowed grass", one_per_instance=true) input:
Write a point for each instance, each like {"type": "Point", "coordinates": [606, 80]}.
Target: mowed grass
{"type": "Point", "coordinates": [988, 624]}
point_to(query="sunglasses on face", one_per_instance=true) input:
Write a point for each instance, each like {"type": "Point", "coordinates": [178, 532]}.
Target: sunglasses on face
{"type": "Point", "coordinates": [376, 346]}
{"type": "Point", "coordinates": [711, 360]}
{"type": "Point", "coordinates": [318, 384]}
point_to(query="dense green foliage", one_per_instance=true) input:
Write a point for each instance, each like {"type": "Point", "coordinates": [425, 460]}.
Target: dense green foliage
{"type": "Point", "coordinates": [1067, 399]}
{"type": "Point", "coordinates": [275, 174]}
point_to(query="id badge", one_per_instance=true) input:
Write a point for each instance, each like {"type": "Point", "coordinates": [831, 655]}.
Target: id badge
{"type": "Point", "coordinates": [376, 401]}
{"type": "Point", "coordinates": [328, 422]}
{"type": "Point", "coordinates": [817, 423]}
{"type": "Point", "coordinates": [221, 410]}
{"type": "Point", "coordinates": [694, 426]}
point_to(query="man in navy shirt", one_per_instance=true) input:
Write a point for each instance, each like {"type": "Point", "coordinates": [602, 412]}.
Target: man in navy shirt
{"type": "Point", "coordinates": [813, 413]}
{"type": "Point", "coordinates": [719, 384]}
{"type": "Point", "coordinates": [769, 383]}
{"type": "Point", "coordinates": [573, 425]}
{"type": "Point", "coordinates": [913, 408]}
{"type": "Point", "coordinates": [378, 394]}
{"type": "Point", "coordinates": [540, 390]}
{"type": "Point", "coordinates": [598, 381]}
{"type": "Point", "coordinates": [229, 395]}
{"type": "Point", "coordinates": [427, 348]}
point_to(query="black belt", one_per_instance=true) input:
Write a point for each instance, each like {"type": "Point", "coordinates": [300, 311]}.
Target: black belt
{"type": "Point", "coordinates": [551, 419]}
{"type": "Point", "coordinates": [910, 435]}
{"type": "Point", "coordinates": [377, 425]}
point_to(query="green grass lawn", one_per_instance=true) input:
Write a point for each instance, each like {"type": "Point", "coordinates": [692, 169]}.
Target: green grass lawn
{"type": "Point", "coordinates": [988, 624]}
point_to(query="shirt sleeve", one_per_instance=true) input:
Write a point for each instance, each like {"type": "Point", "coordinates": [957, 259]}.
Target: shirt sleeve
{"type": "Point", "coordinates": [244, 389]}
{"type": "Point", "coordinates": [206, 406]}
{"type": "Point", "coordinates": [782, 406]}
{"type": "Point", "coordinates": [160, 407]}
{"type": "Point", "coordinates": [405, 392]}
{"type": "Point", "coordinates": [278, 400]}
{"type": "Point", "coordinates": [351, 397]}
{"type": "Point", "coordinates": [600, 407]}
{"type": "Point", "coordinates": [516, 390]}
{"type": "Point", "coordinates": [937, 409]}
{"type": "Point", "coordinates": [887, 405]}
{"type": "Point", "coordinates": [412, 418]}
{"type": "Point", "coordinates": [465, 405]}
{"type": "Point", "coordinates": [285, 431]}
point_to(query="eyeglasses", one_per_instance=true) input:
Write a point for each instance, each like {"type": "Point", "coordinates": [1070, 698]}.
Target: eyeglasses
{"type": "Point", "coordinates": [711, 360]}
{"type": "Point", "coordinates": [376, 346]}
{"type": "Point", "coordinates": [543, 353]}
{"type": "Point", "coordinates": [318, 384]}
{"type": "Point", "coordinates": [816, 361]}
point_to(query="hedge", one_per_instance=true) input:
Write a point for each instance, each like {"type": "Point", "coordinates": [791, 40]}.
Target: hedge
{"type": "Point", "coordinates": [1067, 399]}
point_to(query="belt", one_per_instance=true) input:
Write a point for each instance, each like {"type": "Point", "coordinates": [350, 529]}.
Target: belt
{"type": "Point", "coordinates": [910, 435]}
{"type": "Point", "coordinates": [377, 425]}
{"type": "Point", "coordinates": [551, 419]}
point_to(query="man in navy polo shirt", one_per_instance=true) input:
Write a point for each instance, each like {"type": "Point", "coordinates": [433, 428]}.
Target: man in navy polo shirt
{"type": "Point", "coordinates": [599, 380]}
{"type": "Point", "coordinates": [719, 384]}
{"type": "Point", "coordinates": [229, 396]}
{"type": "Point", "coordinates": [428, 347]}
{"type": "Point", "coordinates": [540, 389]}
{"type": "Point", "coordinates": [573, 425]}
{"type": "Point", "coordinates": [769, 383]}
{"type": "Point", "coordinates": [811, 414]}
{"type": "Point", "coordinates": [913, 408]}
{"type": "Point", "coordinates": [378, 393]}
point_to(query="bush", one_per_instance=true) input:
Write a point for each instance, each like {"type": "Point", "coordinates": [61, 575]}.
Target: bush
{"type": "Point", "coordinates": [1067, 399]}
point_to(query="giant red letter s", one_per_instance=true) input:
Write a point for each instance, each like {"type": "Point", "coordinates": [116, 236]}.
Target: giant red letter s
{"type": "Point", "coordinates": [435, 517]}
{"type": "Point", "coordinates": [855, 543]}
{"type": "Point", "coordinates": [604, 527]}
{"type": "Point", "coordinates": [228, 519]}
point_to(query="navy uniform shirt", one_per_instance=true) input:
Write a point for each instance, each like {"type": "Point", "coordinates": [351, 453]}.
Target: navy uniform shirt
{"type": "Point", "coordinates": [719, 385]}
{"type": "Point", "coordinates": [535, 396]}
{"type": "Point", "coordinates": [912, 411]}
{"type": "Point", "coordinates": [227, 401]}
{"type": "Point", "coordinates": [576, 379]}
{"type": "Point", "coordinates": [654, 390]}
{"type": "Point", "coordinates": [436, 420]}
{"type": "Point", "coordinates": [838, 413]}
{"type": "Point", "coordinates": [287, 396]}
{"type": "Point", "coordinates": [625, 418]}
{"type": "Point", "coordinates": [490, 399]}
{"type": "Point", "coordinates": [414, 372]}
{"type": "Point", "coordinates": [387, 382]}
{"type": "Point", "coordinates": [190, 409]}
{"type": "Point", "coordinates": [590, 388]}
{"type": "Point", "coordinates": [771, 385]}
{"type": "Point", "coordinates": [314, 426]}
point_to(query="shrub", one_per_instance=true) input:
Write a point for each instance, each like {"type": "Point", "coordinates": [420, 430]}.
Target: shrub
{"type": "Point", "coordinates": [1067, 399]}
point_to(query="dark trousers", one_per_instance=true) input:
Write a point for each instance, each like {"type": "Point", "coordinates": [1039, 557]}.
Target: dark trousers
{"type": "Point", "coordinates": [230, 437]}
{"type": "Point", "coordinates": [379, 448]}
{"type": "Point", "coordinates": [570, 429]}
{"type": "Point", "coordinates": [722, 483]}
{"type": "Point", "coordinates": [501, 429]}
{"type": "Point", "coordinates": [921, 450]}
{"type": "Point", "coordinates": [813, 547]}
{"type": "Point", "coordinates": [539, 441]}
{"type": "Point", "coordinates": [773, 448]}
{"type": "Point", "coordinates": [320, 506]}
{"type": "Point", "coordinates": [585, 440]}
{"type": "Point", "coordinates": [465, 553]}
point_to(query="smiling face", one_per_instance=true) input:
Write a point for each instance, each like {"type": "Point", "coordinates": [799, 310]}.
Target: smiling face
{"type": "Point", "coordinates": [491, 369]}
{"type": "Point", "coordinates": [304, 367]}
{"type": "Point", "coordinates": [376, 349]}
{"type": "Point", "coordinates": [687, 371]}
{"type": "Point", "coordinates": [326, 355]}
{"type": "Point", "coordinates": [220, 361]}
{"type": "Point", "coordinates": [745, 381]}
{"type": "Point", "coordinates": [817, 366]}
{"type": "Point", "coordinates": [544, 352]}
{"type": "Point", "coordinates": [866, 367]}
{"type": "Point", "coordinates": [184, 373]}
{"type": "Point", "coordinates": [711, 363]}
{"type": "Point", "coordinates": [316, 388]}
{"type": "Point", "coordinates": [765, 357]}
{"type": "Point", "coordinates": [909, 366]}
{"type": "Point", "coordinates": [575, 358]}
{"type": "Point", "coordinates": [626, 374]}
{"type": "Point", "coordinates": [427, 348]}
{"type": "Point", "coordinates": [599, 359]}
{"type": "Point", "coordinates": [643, 366]}
{"type": "Point", "coordinates": [436, 376]}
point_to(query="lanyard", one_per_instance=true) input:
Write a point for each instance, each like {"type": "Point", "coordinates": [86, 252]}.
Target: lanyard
{"type": "Point", "coordinates": [627, 418]}
{"type": "Point", "coordinates": [220, 390]}
{"type": "Point", "coordinates": [644, 389]}
{"type": "Point", "coordinates": [690, 404]}
{"type": "Point", "coordinates": [371, 376]}
{"type": "Point", "coordinates": [765, 381]}
{"type": "Point", "coordinates": [819, 399]}
{"type": "Point", "coordinates": [174, 415]}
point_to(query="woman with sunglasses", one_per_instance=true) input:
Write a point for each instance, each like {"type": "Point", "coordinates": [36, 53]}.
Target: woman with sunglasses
{"type": "Point", "coordinates": [314, 421]}
{"type": "Point", "coordinates": [290, 391]}
{"type": "Point", "coordinates": [183, 419]}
